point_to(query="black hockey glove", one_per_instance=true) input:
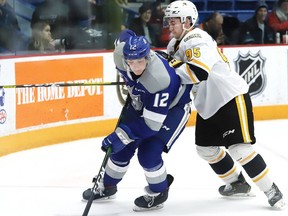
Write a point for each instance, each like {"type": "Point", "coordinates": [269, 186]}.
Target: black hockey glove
{"type": "Point", "coordinates": [164, 55]}
{"type": "Point", "coordinates": [175, 63]}
{"type": "Point", "coordinates": [172, 61]}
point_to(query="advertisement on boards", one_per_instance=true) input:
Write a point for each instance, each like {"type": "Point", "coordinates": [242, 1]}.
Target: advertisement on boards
{"type": "Point", "coordinates": [27, 109]}
{"type": "Point", "coordinates": [265, 71]}
{"type": "Point", "coordinates": [56, 104]}
{"type": "Point", "coordinates": [7, 97]}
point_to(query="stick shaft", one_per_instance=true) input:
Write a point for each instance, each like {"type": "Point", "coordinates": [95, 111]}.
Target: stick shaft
{"type": "Point", "coordinates": [104, 162]}
{"type": "Point", "coordinates": [62, 84]}
{"type": "Point", "coordinates": [95, 186]}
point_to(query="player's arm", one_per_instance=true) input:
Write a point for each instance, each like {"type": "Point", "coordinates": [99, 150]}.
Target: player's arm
{"type": "Point", "coordinates": [172, 61]}
{"type": "Point", "coordinates": [139, 126]}
{"type": "Point", "coordinates": [154, 113]}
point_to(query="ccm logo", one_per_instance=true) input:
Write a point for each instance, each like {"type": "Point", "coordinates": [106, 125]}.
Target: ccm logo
{"type": "Point", "coordinates": [228, 132]}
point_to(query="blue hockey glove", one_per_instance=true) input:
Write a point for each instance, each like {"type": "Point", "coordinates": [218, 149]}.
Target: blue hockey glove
{"type": "Point", "coordinates": [121, 137]}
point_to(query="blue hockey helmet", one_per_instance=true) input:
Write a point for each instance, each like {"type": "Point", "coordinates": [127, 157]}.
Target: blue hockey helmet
{"type": "Point", "coordinates": [124, 36]}
{"type": "Point", "coordinates": [136, 47]}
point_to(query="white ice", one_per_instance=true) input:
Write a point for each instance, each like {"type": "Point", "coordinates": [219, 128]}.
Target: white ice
{"type": "Point", "coordinates": [49, 181]}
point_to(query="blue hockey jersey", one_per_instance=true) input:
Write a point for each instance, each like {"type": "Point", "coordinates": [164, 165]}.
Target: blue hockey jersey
{"type": "Point", "coordinates": [153, 93]}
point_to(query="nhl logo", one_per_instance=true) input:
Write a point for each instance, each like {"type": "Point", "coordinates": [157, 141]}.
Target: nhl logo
{"type": "Point", "coordinates": [251, 68]}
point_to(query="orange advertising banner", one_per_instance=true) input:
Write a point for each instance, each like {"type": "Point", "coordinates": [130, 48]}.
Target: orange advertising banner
{"type": "Point", "coordinates": [43, 105]}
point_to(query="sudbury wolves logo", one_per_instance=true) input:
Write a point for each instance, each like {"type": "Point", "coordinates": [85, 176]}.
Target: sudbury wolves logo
{"type": "Point", "coordinates": [251, 68]}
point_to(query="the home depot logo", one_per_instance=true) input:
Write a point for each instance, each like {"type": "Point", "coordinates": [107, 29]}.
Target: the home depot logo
{"type": "Point", "coordinates": [251, 68]}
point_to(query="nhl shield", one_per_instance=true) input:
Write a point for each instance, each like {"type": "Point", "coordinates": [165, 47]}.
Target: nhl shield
{"type": "Point", "coordinates": [251, 68]}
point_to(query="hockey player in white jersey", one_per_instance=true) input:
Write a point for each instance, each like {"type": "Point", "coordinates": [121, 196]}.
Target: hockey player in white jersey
{"type": "Point", "coordinates": [224, 108]}
{"type": "Point", "coordinates": [157, 114]}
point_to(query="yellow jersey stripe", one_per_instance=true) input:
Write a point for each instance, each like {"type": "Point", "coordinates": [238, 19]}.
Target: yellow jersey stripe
{"type": "Point", "coordinates": [191, 74]}
{"type": "Point", "coordinates": [241, 106]}
{"type": "Point", "coordinates": [220, 157]}
{"type": "Point", "coordinates": [264, 173]}
{"type": "Point", "coordinates": [248, 158]}
{"type": "Point", "coordinates": [228, 173]}
{"type": "Point", "coordinates": [201, 64]}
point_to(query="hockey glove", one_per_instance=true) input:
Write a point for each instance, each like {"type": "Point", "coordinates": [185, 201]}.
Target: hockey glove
{"type": "Point", "coordinates": [172, 61]}
{"type": "Point", "coordinates": [121, 137]}
{"type": "Point", "coordinates": [164, 55]}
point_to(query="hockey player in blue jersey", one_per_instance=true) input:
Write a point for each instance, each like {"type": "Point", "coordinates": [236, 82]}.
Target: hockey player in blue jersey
{"type": "Point", "coordinates": [157, 114]}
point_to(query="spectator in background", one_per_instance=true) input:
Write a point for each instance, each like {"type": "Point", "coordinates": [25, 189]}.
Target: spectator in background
{"type": "Point", "coordinates": [108, 21]}
{"type": "Point", "coordinates": [42, 40]}
{"type": "Point", "coordinates": [231, 27]}
{"type": "Point", "coordinates": [278, 18]}
{"type": "Point", "coordinates": [54, 12]}
{"type": "Point", "coordinates": [121, 2]}
{"type": "Point", "coordinates": [156, 21]}
{"type": "Point", "coordinates": [142, 26]}
{"type": "Point", "coordinates": [10, 34]}
{"type": "Point", "coordinates": [84, 24]}
{"type": "Point", "coordinates": [80, 13]}
{"type": "Point", "coordinates": [256, 29]}
{"type": "Point", "coordinates": [213, 26]}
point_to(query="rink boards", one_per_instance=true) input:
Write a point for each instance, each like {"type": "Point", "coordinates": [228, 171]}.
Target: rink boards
{"type": "Point", "coordinates": [38, 116]}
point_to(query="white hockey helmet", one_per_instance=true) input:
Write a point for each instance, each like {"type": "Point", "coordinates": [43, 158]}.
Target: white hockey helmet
{"type": "Point", "coordinates": [182, 9]}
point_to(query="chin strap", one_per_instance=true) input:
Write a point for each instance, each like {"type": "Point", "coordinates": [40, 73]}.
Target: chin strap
{"type": "Point", "coordinates": [185, 31]}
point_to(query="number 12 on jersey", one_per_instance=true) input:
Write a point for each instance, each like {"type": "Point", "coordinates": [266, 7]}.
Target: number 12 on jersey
{"type": "Point", "coordinates": [161, 99]}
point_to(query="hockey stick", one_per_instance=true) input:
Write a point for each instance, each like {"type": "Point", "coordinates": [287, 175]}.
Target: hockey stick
{"type": "Point", "coordinates": [95, 186]}
{"type": "Point", "coordinates": [102, 168]}
{"type": "Point", "coordinates": [62, 84]}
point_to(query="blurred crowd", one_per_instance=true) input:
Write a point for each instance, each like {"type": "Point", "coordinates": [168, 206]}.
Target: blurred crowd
{"type": "Point", "coordinates": [63, 25]}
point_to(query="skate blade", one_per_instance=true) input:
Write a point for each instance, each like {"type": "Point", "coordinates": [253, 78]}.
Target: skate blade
{"type": "Point", "coordinates": [101, 199]}
{"type": "Point", "coordinates": [280, 205]}
{"type": "Point", "coordinates": [241, 195]}
{"type": "Point", "coordinates": [140, 209]}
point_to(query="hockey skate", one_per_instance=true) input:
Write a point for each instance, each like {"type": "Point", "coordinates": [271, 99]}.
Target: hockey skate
{"type": "Point", "coordinates": [240, 188]}
{"type": "Point", "coordinates": [275, 198]}
{"type": "Point", "coordinates": [100, 192]}
{"type": "Point", "coordinates": [152, 201]}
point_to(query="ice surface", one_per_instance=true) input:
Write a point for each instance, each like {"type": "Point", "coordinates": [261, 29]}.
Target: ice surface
{"type": "Point", "coordinates": [49, 181]}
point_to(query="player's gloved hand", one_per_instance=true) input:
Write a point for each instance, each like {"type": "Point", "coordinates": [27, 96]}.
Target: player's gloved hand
{"type": "Point", "coordinates": [164, 55]}
{"type": "Point", "coordinates": [121, 137]}
{"type": "Point", "coordinates": [172, 61]}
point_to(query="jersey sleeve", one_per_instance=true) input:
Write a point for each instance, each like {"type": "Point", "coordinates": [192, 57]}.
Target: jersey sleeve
{"type": "Point", "coordinates": [200, 52]}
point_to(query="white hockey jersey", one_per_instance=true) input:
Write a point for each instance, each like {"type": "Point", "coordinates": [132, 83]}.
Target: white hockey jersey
{"type": "Point", "coordinates": [214, 83]}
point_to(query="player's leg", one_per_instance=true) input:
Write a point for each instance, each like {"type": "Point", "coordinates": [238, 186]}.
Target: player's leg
{"type": "Point", "coordinates": [249, 159]}
{"type": "Point", "coordinates": [150, 158]}
{"type": "Point", "coordinates": [220, 130]}
{"type": "Point", "coordinates": [257, 170]}
{"type": "Point", "coordinates": [225, 168]}
{"type": "Point", "coordinates": [115, 170]}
